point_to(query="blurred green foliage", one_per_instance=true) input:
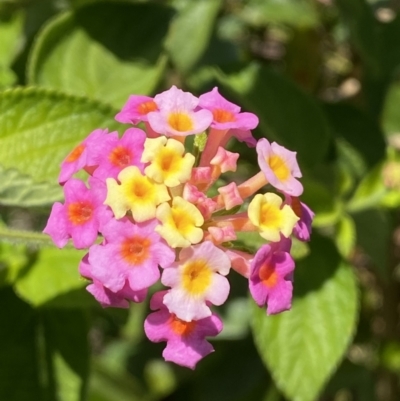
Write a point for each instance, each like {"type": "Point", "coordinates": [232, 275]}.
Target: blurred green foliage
{"type": "Point", "coordinates": [323, 77]}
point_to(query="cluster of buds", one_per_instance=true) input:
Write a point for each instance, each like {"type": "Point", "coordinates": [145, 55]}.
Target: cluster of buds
{"type": "Point", "coordinates": [146, 207]}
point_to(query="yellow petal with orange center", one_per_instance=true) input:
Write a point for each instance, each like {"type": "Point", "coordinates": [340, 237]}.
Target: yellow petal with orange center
{"type": "Point", "coordinates": [180, 223]}
{"type": "Point", "coordinates": [136, 193]}
{"type": "Point", "coordinates": [168, 165]}
{"type": "Point", "coordinates": [196, 277]}
{"type": "Point", "coordinates": [265, 212]}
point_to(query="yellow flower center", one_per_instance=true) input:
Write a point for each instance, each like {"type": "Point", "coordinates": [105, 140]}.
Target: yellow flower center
{"type": "Point", "coordinates": [279, 167]}
{"type": "Point", "coordinates": [270, 216]}
{"type": "Point", "coordinates": [181, 122]}
{"type": "Point", "coordinates": [196, 277]}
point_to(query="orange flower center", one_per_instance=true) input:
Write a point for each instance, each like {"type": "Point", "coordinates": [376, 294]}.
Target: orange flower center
{"type": "Point", "coordinates": [181, 327]}
{"type": "Point", "coordinates": [76, 153]}
{"type": "Point", "coordinates": [80, 212]}
{"type": "Point", "coordinates": [223, 116]}
{"type": "Point", "coordinates": [120, 157]}
{"type": "Point", "coordinates": [135, 250]}
{"type": "Point", "coordinates": [147, 107]}
{"type": "Point", "coordinates": [268, 275]}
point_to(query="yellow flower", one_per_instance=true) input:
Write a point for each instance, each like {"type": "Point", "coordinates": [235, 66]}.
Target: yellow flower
{"type": "Point", "coordinates": [137, 193]}
{"type": "Point", "coordinates": [265, 212]}
{"type": "Point", "coordinates": [180, 223]}
{"type": "Point", "coordinates": [168, 164]}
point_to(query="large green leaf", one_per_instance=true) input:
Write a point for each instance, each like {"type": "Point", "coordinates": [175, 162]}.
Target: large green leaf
{"type": "Point", "coordinates": [191, 32]}
{"type": "Point", "coordinates": [54, 274]}
{"type": "Point", "coordinates": [38, 128]}
{"type": "Point", "coordinates": [359, 130]}
{"type": "Point", "coordinates": [20, 190]}
{"type": "Point", "coordinates": [103, 50]}
{"type": "Point", "coordinates": [287, 115]}
{"type": "Point", "coordinates": [19, 378]}
{"type": "Point", "coordinates": [302, 347]}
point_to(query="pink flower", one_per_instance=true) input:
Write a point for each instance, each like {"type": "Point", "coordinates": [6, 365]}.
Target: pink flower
{"type": "Point", "coordinates": [196, 280]}
{"type": "Point", "coordinates": [131, 252]}
{"type": "Point", "coordinates": [106, 297]}
{"type": "Point", "coordinates": [271, 277]}
{"type": "Point", "coordinates": [280, 167]}
{"type": "Point", "coordinates": [302, 229]}
{"type": "Point", "coordinates": [177, 115]}
{"type": "Point", "coordinates": [186, 341]}
{"type": "Point", "coordinates": [136, 109]}
{"type": "Point", "coordinates": [82, 215]}
{"type": "Point", "coordinates": [226, 115]}
{"type": "Point", "coordinates": [83, 156]}
{"type": "Point", "coordinates": [120, 153]}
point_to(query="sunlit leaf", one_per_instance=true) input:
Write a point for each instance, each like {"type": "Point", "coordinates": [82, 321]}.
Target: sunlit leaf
{"type": "Point", "coordinates": [20, 190]}
{"type": "Point", "coordinates": [53, 274]}
{"type": "Point", "coordinates": [38, 128]}
{"type": "Point", "coordinates": [104, 50]}
{"type": "Point", "coordinates": [191, 32]}
{"type": "Point", "coordinates": [303, 346]}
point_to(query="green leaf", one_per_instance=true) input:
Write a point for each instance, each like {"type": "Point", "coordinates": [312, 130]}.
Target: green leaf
{"type": "Point", "coordinates": [54, 274]}
{"type": "Point", "coordinates": [191, 32]}
{"type": "Point", "coordinates": [20, 190]}
{"type": "Point", "coordinates": [11, 35]}
{"type": "Point", "coordinates": [39, 128]}
{"type": "Point", "coordinates": [373, 236]}
{"type": "Point", "coordinates": [296, 13]}
{"type": "Point", "coordinates": [287, 115]}
{"type": "Point", "coordinates": [391, 115]}
{"type": "Point", "coordinates": [19, 379]}
{"type": "Point", "coordinates": [122, 46]}
{"type": "Point", "coordinates": [345, 235]}
{"type": "Point", "coordinates": [359, 130]}
{"type": "Point", "coordinates": [68, 354]}
{"type": "Point", "coordinates": [369, 192]}
{"type": "Point", "coordinates": [302, 347]}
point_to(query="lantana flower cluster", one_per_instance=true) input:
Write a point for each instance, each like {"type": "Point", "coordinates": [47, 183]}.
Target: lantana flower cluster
{"type": "Point", "coordinates": [145, 215]}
